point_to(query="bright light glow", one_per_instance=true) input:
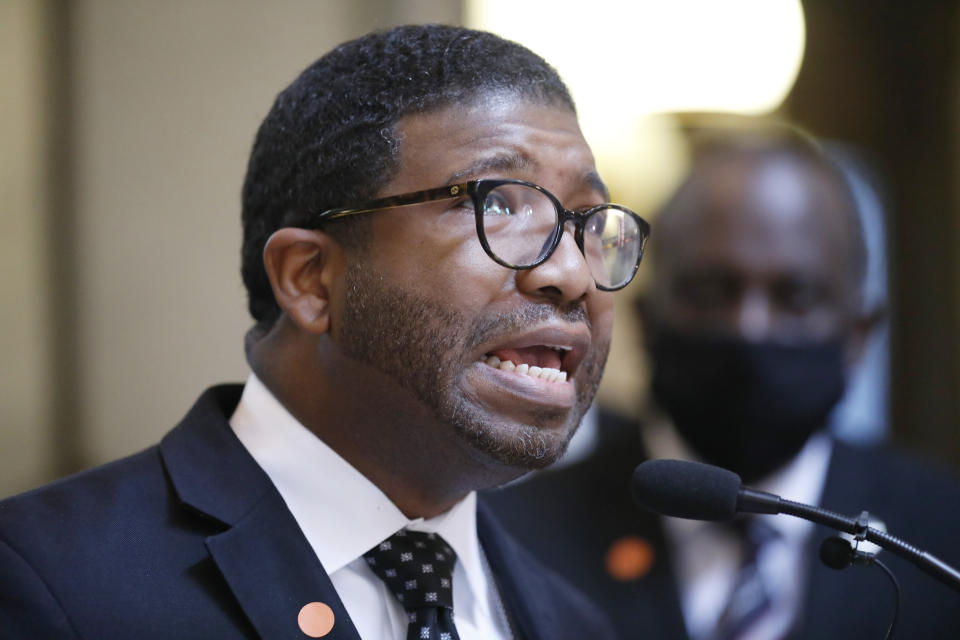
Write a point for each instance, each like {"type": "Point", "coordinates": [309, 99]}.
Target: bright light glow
{"type": "Point", "coordinates": [625, 60]}
{"type": "Point", "coordinates": [656, 55]}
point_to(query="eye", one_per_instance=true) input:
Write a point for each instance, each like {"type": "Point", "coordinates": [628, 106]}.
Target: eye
{"type": "Point", "coordinates": [703, 291]}
{"type": "Point", "coordinates": [799, 295]}
{"type": "Point", "coordinates": [497, 205]}
{"type": "Point", "coordinates": [463, 204]}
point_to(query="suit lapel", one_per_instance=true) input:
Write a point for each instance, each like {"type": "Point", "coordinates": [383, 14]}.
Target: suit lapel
{"type": "Point", "coordinates": [532, 618]}
{"type": "Point", "coordinates": [262, 554]}
{"type": "Point", "coordinates": [538, 605]}
{"type": "Point", "coordinates": [657, 611]}
{"type": "Point", "coordinates": [273, 572]}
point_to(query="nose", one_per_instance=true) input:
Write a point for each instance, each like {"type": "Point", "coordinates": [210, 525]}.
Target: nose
{"type": "Point", "coordinates": [754, 316]}
{"type": "Point", "coordinates": [564, 277]}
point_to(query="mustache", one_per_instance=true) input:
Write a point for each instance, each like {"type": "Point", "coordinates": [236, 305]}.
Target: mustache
{"type": "Point", "coordinates": [488, 327]}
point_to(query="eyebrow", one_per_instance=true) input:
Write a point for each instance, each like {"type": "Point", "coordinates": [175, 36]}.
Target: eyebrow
{"type": "Point", "coordinates": [511, 162]}
{"type": "Point", "coordinates": [596, 182]}
{"type": "Point", "coordinates": [518, 162]}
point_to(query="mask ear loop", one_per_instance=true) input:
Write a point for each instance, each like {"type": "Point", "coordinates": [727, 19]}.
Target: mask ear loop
{"type": "Point", "coordinates": [839, 553]}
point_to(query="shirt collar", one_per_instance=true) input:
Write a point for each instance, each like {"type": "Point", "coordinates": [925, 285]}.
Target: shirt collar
{"type": "Point", "coordinates": [342, 514]}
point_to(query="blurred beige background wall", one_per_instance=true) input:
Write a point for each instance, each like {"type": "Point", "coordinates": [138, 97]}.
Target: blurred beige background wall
{"type": "Point", "coordinates": [125, 130]}
{"type": "Point", "coordinates": [25, 364]}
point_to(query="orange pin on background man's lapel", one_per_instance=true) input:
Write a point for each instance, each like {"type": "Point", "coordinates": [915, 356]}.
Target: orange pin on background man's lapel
{"type": "Point", "coordinates": [629, 558]}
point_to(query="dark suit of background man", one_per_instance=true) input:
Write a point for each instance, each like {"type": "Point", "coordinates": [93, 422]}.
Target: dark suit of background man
{"type": "Point", "coordinates": [752, 321]}
{"type": "Point", "coordinates": [406, 352]}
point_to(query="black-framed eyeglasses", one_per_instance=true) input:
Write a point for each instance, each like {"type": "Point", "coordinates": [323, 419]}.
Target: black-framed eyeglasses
{"type": "Point", "coordinates": [520, 224]}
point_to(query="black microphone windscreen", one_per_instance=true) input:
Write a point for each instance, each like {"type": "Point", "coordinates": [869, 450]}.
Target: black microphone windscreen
{"type": "Point", "coordinates": [836, 553]}
{"type": "Point", "coordinates": [684, 489]}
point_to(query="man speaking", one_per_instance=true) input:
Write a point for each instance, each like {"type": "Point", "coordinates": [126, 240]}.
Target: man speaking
{"type": "Point", "coordinates": [430, 259]}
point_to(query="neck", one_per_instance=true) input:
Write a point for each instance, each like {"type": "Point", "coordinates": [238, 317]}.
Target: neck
{"type": "Point", "coordinates": [376, 425]}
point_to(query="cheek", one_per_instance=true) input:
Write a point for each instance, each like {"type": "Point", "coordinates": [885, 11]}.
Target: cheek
{"type": "Point", "coordinates": [474, 283]}
{"type": "Point", "coordinates": [453, 270]}
{"type": "Point", "coordinates": [821, 324]}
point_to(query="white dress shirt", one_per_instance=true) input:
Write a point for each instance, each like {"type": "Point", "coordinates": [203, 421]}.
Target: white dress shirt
{"type": "Point", "coordinates": [707, 554]}
{"type": "Point", "coordinates": [342, 515]}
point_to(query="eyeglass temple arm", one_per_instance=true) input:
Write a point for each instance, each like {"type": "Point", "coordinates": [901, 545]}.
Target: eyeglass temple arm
{"type": "Point", "coordinates": [402, 200]}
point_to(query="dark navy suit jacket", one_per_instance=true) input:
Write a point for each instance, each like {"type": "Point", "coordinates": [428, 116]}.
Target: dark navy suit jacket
{"type": "Point", "coordinates": [577, 513]}
{"type": "Point", "coordinates": [189, 539]}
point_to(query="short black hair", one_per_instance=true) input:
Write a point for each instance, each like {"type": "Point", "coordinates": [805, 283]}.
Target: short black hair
{"type": "Point", "coordinates": [329, 138]}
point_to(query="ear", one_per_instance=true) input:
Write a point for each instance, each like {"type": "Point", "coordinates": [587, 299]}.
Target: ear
{"type": "Point", "coordinates": [863, 327]}
{"type": "Point", "coordinates": [304, 266]}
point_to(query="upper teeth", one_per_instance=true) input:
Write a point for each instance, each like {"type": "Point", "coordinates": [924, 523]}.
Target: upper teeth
{"type": "Point", "coordinates": [546, 373]}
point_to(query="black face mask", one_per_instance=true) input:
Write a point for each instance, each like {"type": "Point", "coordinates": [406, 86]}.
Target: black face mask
{"type": "Point", "coordinates": [746, 406]}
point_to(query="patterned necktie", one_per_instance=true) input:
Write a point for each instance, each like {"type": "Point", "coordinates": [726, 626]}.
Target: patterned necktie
{"type": "Point", "coordinates": [750, 598]}
{"type": "Point", "coordinates": [418, 569]}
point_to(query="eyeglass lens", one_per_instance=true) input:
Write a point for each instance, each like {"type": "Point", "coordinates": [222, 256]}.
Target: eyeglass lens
{"type": "Point", "coordinates": [520, 225]}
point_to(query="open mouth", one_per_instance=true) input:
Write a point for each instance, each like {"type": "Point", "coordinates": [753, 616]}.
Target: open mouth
{"type": "Point", "coordinates": [542, 361]}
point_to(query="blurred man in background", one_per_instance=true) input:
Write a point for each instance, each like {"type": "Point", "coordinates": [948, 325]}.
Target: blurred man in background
{"type": "Point", "coordinates": [752, 322]}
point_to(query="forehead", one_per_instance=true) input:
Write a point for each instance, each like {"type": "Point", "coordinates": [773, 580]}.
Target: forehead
{"type": "Point", "coordinates": [760, 217]}
{"type": "Point", "coordinates": [501, 136]}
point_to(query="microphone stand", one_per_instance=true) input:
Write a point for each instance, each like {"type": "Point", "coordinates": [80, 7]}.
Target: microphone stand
{"type": "Point", "coordinates": [839, 553]}
{"type": "Point", "coordinates": [753, 501]}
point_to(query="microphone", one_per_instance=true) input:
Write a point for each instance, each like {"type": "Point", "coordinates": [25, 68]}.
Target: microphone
{"type": "Point", "coordinates": [839, 553]}
{"type": "Point", "coordinates": [698, 491]}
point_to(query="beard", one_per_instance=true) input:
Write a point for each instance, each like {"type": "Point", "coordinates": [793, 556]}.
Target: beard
{"type": "Point", "coordinates": [426, 347]}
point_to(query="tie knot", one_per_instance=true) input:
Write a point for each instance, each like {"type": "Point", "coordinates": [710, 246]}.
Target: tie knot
{"type": "Point", "coordinates": [417, 567]}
